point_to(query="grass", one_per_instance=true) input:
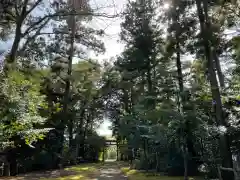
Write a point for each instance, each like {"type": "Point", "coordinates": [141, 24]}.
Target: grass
{"type": "Point", "coordinates": [136, 175]}
{"type": "Point", "coordinates": [79, 172]}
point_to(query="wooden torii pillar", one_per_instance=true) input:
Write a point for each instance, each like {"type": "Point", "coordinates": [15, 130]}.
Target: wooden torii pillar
{"type": "Point", "coordinates": [117, 151]}
{"type": "Point", "coordinates": [103, 156]}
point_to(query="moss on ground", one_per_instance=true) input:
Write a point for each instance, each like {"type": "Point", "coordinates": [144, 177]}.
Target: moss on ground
{"type": "Point", "coordinates": [136, 175]}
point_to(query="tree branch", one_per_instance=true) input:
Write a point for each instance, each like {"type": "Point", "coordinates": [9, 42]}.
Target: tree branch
{"type": "Point", "coordinates": [52, 33]}
{"type": "Point", "coordinates": [24, 9]}
{"type": "Point", "coordinates": [33, 26]}
{"type": "Point", "coordinates": [16, 9]}
{"type": "Point", "coordinates": [57, 14]}
{"type": "Point", "coordinates": [13, 17]}
{"type": "Point", "coordinates": [33, 7]}
{"type": "Point", "coordinates": [36, 34]}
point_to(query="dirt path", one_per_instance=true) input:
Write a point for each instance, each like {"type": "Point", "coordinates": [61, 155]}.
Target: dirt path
{"type": "Point", "coordinates": [111, 170]}
{"type": "Point", "coordinates": [106, 171]}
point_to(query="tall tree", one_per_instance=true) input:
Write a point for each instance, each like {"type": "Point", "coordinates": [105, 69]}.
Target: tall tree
{"type": "Point", "coordinates": [206, 35]}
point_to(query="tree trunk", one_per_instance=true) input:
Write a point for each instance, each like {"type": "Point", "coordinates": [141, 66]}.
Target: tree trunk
{"type": "Point", "coordinates": [80, 131]}
{"type": "Point", "coordinates": [70, 132]}
{"type": "Point", "coordinates": [126, 101]}
{"type": "Point", "coordinates": [6, 169]}
{"type": "Point", "coordinates": [131, 103]}
{"type": "Point", "coordinates": [13, 166]}
{"type": "Point", "coordinates": [82, 115]}
{"type": "Point", "coordinates": [181, 98]}
{"type": "Point", "coordinates": [85, 134]}
{"type": "Point", "coordinates": [185, 160]}
{"type": "Point", "coordinates": [69, 73]}
{"type": "Point", "coordinates": [152, 101]}
{"type": "Point", "coordinates": [18, 35]}
{"type": "Point", "coordinates": [16, 42]}
{"type": "Point", "coordinates": [179, 69]}
{"type": "Point", "coordinates": [149, 81]}
{"type": "Point", "coordinates": [157, 162]}
{"type": "Point", "coordinates": [206, 34]}
{"type": "Point", "coordinates": [10, 61]}
{"type": "Point", "coordinates": [182, 103]}
{"type": "Point", "coordinates": [145, 153]}
{"type": "Point", "coordinates": [185, 168]}
{"type": "Point", "coordinates": [218, 69]}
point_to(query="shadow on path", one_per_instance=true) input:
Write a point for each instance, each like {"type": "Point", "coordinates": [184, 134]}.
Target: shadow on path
{"type": "Point", "coordinates": [110, 170]}
{"type": "Point", "coordinates": [42, 175]}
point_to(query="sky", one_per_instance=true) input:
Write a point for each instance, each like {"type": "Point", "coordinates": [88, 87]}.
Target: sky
{"type": "Point", "coordinates": [104, 130]}
{"type": "Point", "coordinates": [111, 26]}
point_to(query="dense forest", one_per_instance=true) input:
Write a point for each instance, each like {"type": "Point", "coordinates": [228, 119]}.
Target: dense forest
{"type": "Point", "coordinates": [172, 95]}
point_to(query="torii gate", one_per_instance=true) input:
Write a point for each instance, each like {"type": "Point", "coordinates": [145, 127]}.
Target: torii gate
{"type": "Point", "coordinates": [112, 143]}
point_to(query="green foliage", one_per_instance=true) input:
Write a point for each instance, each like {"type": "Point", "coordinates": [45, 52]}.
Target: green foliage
{"type": "Point", "coordinates": [20, 105]}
